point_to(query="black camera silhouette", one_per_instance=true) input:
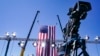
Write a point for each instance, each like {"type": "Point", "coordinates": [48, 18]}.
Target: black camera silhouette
{"type": "Point", "coordinates": [80, 10]}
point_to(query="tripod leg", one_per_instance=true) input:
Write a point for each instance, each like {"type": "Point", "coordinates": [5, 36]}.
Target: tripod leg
{"type": "Point", "coordinates": [80, 54]}
{"type": "Point", "coordinates": [76, 52]}
{"type": "Point", "coordinates": [85, 53]}
{"type": "Point", "coordinates": [84, 48]}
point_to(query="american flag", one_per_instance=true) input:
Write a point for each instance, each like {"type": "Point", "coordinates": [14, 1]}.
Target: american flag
{"type": "Point", "coordinates": [47, 35]}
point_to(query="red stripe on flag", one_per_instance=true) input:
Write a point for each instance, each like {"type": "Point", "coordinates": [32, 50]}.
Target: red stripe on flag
{"type": "Point", "coordinates": [43, 35]}
{"type": "Point", "coordinates": [47, 50]}
{"type": "Point", "coordinates": [38, 45]}
{"type": "Point", "coordinates": [39, 48]}
{"type": "Point", "coordinates": [48, 41]}
{"type": "Point", "coordinates": [53, 40]}
{"type": "Point", "coordinates": [45, 46]}
{"type": "Point", "coordinates": [41, 43]}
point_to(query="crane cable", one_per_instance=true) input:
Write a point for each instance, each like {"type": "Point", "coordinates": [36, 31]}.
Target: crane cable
{"type": "Point", "coordinates": [2, 48]}
{"type": "Point", "coordinates": [87, 49]}
{"type": "Point", "coordinates": [97, 49]}
{"type": "Point", "coordinates": [12, 47]}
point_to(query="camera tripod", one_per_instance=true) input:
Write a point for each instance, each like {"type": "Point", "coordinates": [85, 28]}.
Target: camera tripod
{"type": "Point", "coordinates": [73, 46]}
{"type": "Point", "coordinates": [72, 41]}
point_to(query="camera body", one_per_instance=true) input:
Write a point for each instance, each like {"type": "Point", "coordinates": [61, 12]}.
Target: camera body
{"type": "Point", "coordinates": [77, 13]}
{"type": "Point", "coordinates": [80, 10]}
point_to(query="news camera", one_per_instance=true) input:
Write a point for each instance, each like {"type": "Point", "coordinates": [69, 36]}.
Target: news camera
{"type": "Point", "coordinates": [72, 39]}
{"type": "Point", "coordinates": [79, 10]}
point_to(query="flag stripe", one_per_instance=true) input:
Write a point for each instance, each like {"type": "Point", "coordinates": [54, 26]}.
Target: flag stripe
{"type": "Point", "coordinates": [49, 36]}
{"type": "Point", "coordinates": [41, 44]}
{"type": "Point", "coordinates": [45, 46]}
{"type": "Point", "coordinates": [54, 41]}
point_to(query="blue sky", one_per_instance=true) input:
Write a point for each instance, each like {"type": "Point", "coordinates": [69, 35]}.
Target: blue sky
{"type": "Point", "coordinates": [17, 15]}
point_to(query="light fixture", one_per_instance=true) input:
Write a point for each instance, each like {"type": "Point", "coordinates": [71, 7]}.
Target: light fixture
{"type": "Point", "coordinates": [13, 34]}
{"type": "Point", "coordinates": [43, 44]}
{"type": "Point", "coordinates": [53, 45]}
{"type": "Point", "coordinates": [86, 37]}
{"type": "Point", "coordinates": [7, 34]}
{"type": "Point", "coordinates": [31, 55]}
{"type": "Point", "coordinates": [21, 43]}
{"type": "Point", "coordinates": [10, 35]}
{"type": "Point", "coordinates": [97, 38]}
{"type": "Point", "coordinates": [34, 44]}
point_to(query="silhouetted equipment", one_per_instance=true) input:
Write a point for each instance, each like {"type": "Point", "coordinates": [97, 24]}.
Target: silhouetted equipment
{"type": "Point", "coordinates": [60, 26]}
{"type": "Point", "coordinates": [73, 40]}
{"type": "Point", "coordinates": [9, 40]}
{"type": "Point", "coordinates": [80, 10]}
{"type": "Point", "coordinates": [30, 30]}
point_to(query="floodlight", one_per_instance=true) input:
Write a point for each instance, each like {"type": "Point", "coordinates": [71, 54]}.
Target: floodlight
{"type": "Point", "coordinates": [7, 34]}
{"type": "Point", "coordinates": [86, 37]}
{"type": "Point", "coordinates": [53, 45]}
{"type": "Point", "coordinates": [31, 55]}
{"type": "Point", "coordinates": [97, 38]}
{"type": "Point", "coordinates": [43, 44]}
{"type": "Point", "coordinates": [35, 44]}
{"type": "Point", "coordinates": [21, 43]}
{"type": "Point", "coordinates": [14, 34]}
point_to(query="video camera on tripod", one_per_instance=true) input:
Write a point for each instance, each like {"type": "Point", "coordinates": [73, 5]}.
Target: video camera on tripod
{"type": "Point", "coordinates": [79, 12]}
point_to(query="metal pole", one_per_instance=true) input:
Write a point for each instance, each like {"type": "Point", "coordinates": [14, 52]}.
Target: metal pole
{"type": "Point", "coordinates": [60, 26]}
{"type": "Point", "coordinates": [9, 40]}
{"type": "Point", "coordinates": [62, 32]}
{"type": "Point", "coordinates": [60, 23]}
{"type": "Point", "coordinates": [23, 48]}
{"type": "Point", "coordinates": [76, 51]}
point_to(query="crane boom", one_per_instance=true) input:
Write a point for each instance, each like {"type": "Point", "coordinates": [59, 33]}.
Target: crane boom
{"type": "Point", "coordinates": [23, 48]}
